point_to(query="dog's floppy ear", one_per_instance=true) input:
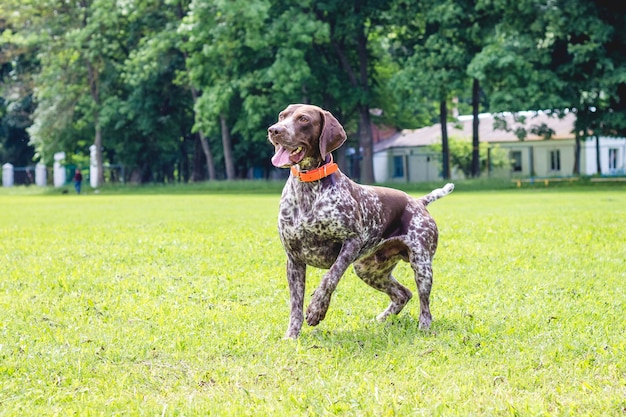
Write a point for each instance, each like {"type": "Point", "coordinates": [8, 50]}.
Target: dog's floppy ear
{"type": "Point", "coordinates": [332, 136]}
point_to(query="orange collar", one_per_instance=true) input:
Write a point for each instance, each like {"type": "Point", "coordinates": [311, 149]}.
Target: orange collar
{"type": "Point", "coordinates": [317, 173]}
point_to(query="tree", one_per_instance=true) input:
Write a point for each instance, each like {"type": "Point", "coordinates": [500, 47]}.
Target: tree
{"type": "Point", "coordinates": [558, 56]}
{"type": "Point", "coordinates": [159, 95]}
{"type": "Point", "coordinates": [16, 108]}
{"type": "Point", "coordinates": [17, 64]}
{"type": "Point", "coordinates": [439, 56]}
{"type": "Point", "coordinates": [14, 141]}
{"type": "Point", "coordinates": [225, 49]}
{"type": "Point", "coordinates": [114, 72]}
{"type": "Point", "coordinates": [247, 70]}
{"type": "Point", "coordinates": [456, 31]}
{"type": "Point", "coordinates": [462, 156]}
{"type": "Point", "coordinates": [76, 43]}
{"type": "Point", "coordinates": [351, 26]}
{"type": "Point", "coordinates": [135, 78]}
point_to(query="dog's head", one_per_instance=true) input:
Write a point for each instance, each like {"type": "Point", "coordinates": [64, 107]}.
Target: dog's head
{"type": "Point", "coordinates": [304, 131]}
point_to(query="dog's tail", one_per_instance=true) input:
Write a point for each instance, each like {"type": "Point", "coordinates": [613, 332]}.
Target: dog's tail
{"type": "Point", "coordinates": [435, 195]}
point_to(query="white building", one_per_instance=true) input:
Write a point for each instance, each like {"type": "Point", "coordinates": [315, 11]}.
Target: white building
{"type": "Point", "coordinates": [407, 157]}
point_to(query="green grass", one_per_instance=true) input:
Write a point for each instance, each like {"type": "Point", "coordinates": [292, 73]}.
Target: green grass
{"type": "Point", "coordinates": [171, 303]}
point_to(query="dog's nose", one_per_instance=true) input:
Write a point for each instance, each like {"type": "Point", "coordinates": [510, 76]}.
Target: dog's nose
{"type": "Point", "coordinates": [275, 129]}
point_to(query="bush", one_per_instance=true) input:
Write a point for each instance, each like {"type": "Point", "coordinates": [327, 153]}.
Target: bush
{"type": "Point", "coordinates": [461, 155]}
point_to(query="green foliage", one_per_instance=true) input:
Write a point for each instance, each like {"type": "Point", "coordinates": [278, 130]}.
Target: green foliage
{"type": "Point", "coordinates": [13, 136]}
{"type": "Point", "coordinates": [173, 304]}
{"type": "Point", "coordinates": [225, 52]}
{"type": "Point", "coordinates": [152, 75]}
{"type": "Point", "coordinates": [564, 55]}
{"type": "Point", "coordinates": [461, 155]}
{"type": "Point", "coordinates": [505, 67]}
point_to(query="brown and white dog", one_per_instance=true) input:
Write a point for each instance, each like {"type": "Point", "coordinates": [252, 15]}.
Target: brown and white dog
{"type": "Point", "coordinates": [328, 221]}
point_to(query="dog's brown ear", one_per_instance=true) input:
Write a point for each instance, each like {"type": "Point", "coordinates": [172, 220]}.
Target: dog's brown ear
{"type": "Point", "coordinates": [332, 136]}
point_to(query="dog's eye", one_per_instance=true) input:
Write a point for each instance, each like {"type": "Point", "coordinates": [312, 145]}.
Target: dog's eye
{"type": "Point", "coordinates": [303, 119]}
{"type": "Point", "coordinates": [281, 116]}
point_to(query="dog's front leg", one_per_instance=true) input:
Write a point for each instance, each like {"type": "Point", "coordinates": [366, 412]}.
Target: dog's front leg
{"type": "Point", "coordinates": [296, 276]}
{"type": "Point", "coordinates": [321, 297]}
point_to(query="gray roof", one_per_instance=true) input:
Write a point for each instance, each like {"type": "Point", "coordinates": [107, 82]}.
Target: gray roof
{"type": "Point", "coordinates": [430, 135]}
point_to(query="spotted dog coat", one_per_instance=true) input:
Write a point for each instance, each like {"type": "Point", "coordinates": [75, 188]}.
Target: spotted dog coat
{"type": "Point", "coordinates": [333, 222]}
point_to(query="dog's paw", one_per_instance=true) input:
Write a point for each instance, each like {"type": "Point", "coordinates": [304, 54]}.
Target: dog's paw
{"type": "Point", "coordinates": [291, 335]}
{"type": "Point", "coordinates": [425, 321]}
{"type": "Point", "coordinates": [314, 316]}
{"type": "Point", "coordinates": [317, 309]}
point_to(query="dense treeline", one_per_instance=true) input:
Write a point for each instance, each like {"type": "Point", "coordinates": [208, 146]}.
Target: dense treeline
{"type": "Point", "coordinates": [183, 90]}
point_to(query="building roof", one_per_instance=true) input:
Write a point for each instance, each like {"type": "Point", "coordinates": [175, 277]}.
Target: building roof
{"type": "Point", "coordinates": [430, 135]}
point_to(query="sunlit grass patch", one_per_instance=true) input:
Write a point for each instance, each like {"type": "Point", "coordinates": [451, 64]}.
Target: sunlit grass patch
{"type": "Point", "coordinates": [176, 305]}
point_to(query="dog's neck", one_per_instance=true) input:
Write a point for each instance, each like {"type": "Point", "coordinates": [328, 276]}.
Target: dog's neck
{"type": "Point", "coordinates": [317, 171]}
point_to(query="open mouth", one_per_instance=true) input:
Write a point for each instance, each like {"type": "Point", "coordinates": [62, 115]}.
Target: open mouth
{"type": "Point", "coordinates": [283, 158]}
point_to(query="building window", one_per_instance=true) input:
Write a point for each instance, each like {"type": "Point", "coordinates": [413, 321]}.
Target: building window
{"type": "Point", "coordinates": [398, 166]}
{"type": "Point", "coordinates": [516, 161]}
{"type": "Point", "coordinates": [555, 160]}
{"type": "Point", "coordinates": [613, 153]}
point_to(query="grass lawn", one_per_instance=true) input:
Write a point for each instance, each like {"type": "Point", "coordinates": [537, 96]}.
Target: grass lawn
{"type": "Point", "coordinates": [176, 304]}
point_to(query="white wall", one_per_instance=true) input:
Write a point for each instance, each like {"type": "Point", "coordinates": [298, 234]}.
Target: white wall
{"type": "Point", "coordinates": [588, 158]}
{"type": "Point", "coordinates": [536, 157]}
{"type": "Point", "coordinates": [542, 158]}
{"type": "Point", "coordinates": [381, 166]}
{"type": "Point", "coordinates": [419, 165]}
{"type": "Point", "coordinates": [424, 167]}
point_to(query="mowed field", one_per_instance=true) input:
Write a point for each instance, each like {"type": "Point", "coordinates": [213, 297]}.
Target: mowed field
{"type": "Point", "coordinates": [176, 304]}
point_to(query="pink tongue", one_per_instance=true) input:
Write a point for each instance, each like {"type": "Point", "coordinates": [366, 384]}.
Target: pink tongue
{"type": "Point", "coordinates": [281, 158]}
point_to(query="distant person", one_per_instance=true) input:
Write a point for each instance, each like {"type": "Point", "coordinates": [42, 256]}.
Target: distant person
{"type": "Point", "coordinates": [78, 180]}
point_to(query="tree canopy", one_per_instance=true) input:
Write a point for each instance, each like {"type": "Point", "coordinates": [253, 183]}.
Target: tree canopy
{"type": "Point", "coordinates": [183, 90]}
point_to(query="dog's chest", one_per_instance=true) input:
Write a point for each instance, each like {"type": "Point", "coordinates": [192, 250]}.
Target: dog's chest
{"type": "Point", "coordinates": [314, 221]}
{"type": "Point", "coordinates": [317, 214]}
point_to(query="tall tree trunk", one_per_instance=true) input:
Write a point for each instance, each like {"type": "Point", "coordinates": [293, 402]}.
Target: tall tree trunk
{"type": "Point", "coordinates": [360, 81]}
{"type": "Point", "coordinates": [366, 143]}
{"type": "Point", "coordinates": [598, 166]}
{"type": "Point", "coordinates": [198, 172]}
{"type": "Point", "coordinates": [366, 138]}
{"type": "Point", "coordinates": [475, 138]}
{"type": "Point", "coordinates": [206, 149]}
{"type": "Point", "coordinates": [576, 169]}
{"type": "Point", "coordinates": [445, 147]}
{"type": "Point", "coordinates": [210, 163]}
{"type": "Point", "coordinates": [228, 149]}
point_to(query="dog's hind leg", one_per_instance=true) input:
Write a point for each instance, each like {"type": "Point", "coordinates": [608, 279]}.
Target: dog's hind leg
{"type": "Point", "coordinates": [376, 271]}
{"type": "Point", "coordinates": [424, 279]}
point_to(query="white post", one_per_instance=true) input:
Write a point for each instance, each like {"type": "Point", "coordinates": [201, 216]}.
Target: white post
{"type": "Point", "coordinates": [59, 170]}
{"type": "Point", "coordinates": [7, 175]}
{"type": "Point", "coordinates": [41, 175]}
{"type": "Point", "coordinates": [93, 167]}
